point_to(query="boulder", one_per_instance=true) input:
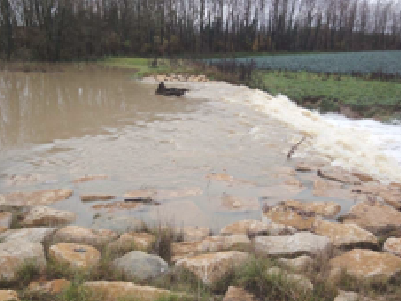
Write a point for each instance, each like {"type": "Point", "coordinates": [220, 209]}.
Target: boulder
{"type": "Point", "coordinates": [75, 234]}
{"type": "Point", "coordinates": [226, 242]}
{"type": "Point", "coordinates": [367, 264]}
{"type": "Point", "coordinates": [90, 178]}
{"type": "Point", "coordinates": [46, 216]}
{"type": "Point", "coordinates": [8, 295]}
{"type": "Point", "coordinates": [238, 294]}
{"type": "Point", "coordinates": [77, 256]}
{"type": "Point", "coordinates": [393, 245]}
{"type": "Point", "coordinates": [211, 267]}
{"type": "Point", "coordinates": [181, 250]}
{"type": "Point", "coordinates": [140, 266]}
{"type": "Point", "coordinates": [298, 264]}
{"type": "Point", "coordinates": [132, 241]}
{"type": "Point", "coordinates": [33, 235]}
{"type": "Point", "coordinates": [326, 209]}
{"type": "Point", "coordinates": [278, 229]}
{"type": "Point", "coordinates": [195, 233]}
{"type": "Point", "coordinates": [289, 217]}
{"type": "Point", "coordinates": [34, 198]}
{"type": "Point", "coordinates": [116, 291]}
{"type": "Point", "coordinates": [300, 281]}
{"type": "Point", "coordinates": [5, 219]}
{"type": "Point", "coordinates": [248, 227]}
{"type": "Point", "coordinates": [346, 296]}
{"type": "Point", "coordinates": [374, 217]}
{"type": "Point", "coordinates": [15, 253]}
{"type": "Point", "coordinates": [344, 235]}
{"type": "Point", "coordinates": [118, 224]}
{"type": "Point", "coordinates": [291, 245]}
{"type": "Point", "coordinates": [52, 287]}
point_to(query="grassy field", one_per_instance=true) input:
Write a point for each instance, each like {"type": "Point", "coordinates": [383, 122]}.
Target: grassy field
{"type": "Point", "coordinates": [330, 92]}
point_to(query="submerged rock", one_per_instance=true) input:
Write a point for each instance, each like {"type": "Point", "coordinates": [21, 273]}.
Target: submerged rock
{"type": "Point", "coordinates": [116, 291]}
{"type": "Point", "coordinates": [374, 217]}
{"type": "Point", "coordinates": [34, 198]}
{"type": "Point", "coordinates": [118, 224]}
{"type": "Point", "coordinates": [291, 245]}
{"type": "Point", "coordinates": [390, 194]}
{"type": "Point", "coordinates": [75, 234]}
{"type": "Point", "coordinates": [211, 267]}
{"type": "Point", "coordinates": [96, 197]}
{"type": "Point", "coordinates": [15, 253]}
{"type": "Point", "coordinates": [75, 255]}
{"type": "Point", "coordinates": [90, 178]}
{"type": "Point", "coordinates": [46, 216]}
{"type": "Point", "coordinates": [344, 235]}
{"type": "Point", "coordinates": [238, 294]}
{"type": "Point", "coordinates": [338, 174]}
{"type": "Point", "coordinates": [233, 203]}
{"type": "Point", "coordinates": [5, 219]}
{"type": "Point", "coordinates": [367, 264]}
{"type": "Point", "coordinates": [139, 265]}
{"type": "Point", "coordinates": [162, 90]}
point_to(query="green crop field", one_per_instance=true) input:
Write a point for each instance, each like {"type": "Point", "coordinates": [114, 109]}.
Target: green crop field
{"type": "Point", "coordinates": [343, 62]}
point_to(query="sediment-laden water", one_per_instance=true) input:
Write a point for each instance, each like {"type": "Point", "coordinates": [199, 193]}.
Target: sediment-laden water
{"type": "Point", "coordinates": [64, 125]}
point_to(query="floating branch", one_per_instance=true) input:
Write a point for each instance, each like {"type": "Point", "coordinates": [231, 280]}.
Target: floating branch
{"type": "Point", "coordinates": [294, 148]}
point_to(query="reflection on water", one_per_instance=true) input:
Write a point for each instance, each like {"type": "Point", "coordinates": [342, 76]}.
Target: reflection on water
{"type": "Point", "coordinates": [60, 126]}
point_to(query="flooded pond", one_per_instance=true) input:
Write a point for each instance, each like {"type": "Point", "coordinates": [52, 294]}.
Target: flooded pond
{"type": "Point", "coordinates": [211, 162]}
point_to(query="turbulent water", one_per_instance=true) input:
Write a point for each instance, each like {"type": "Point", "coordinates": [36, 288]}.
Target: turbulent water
{"type": "Point", "coordinates": [366, 145]}
{"type": "Point", "coordinates": [56, 127]}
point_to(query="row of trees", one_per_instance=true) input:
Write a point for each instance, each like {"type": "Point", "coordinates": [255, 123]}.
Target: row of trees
{"type": "Point", "coordinates": [70, 29]}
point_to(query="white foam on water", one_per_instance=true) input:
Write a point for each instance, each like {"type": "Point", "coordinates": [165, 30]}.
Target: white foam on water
{"type": "Point", "coordinates": [366, 145]}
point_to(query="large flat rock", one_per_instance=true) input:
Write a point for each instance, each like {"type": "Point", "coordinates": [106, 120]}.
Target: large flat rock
{"type": "Point", "coordinates": [15, 253]}
{"type": "Point", "coordinates": [46, 216]}
{"type": "Point", "coordinates": [195, 233]}
{"type": "Point", "coordinates": [116, 291]}
{"type": "Point", "coordinates": [35, 198]}
{"type": "Point", "coordinates": [291, 245]}
{"type": "Point", "coordinates": [8, 295]}
{"type": "Point", "coordinates": [374, 216]}
{"type": "Point", "coordinates": [75, 234]}
{"type": "Point", "coordinates": [211, 267]}
{"type": "Point", "coordinates": [326, 209]}
{"type": "Point", "coordinates": [75, 255]}
{"type": "Point", "coordinates": [344, 235]}
{"type": "Point", "coordinates": [284, 215]}
{"type": "Point", "coordinates": [33, 235]}
{"type": "Point", "coordinates": [247, 226]}
{"type": "Point", "coordinates": [367, 264]}
{"type": "Point", "coordinates": [138, 265]}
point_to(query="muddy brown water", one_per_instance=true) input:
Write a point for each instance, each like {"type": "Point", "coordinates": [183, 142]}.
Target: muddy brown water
{"type": "Point", "coordinates": [64, 125]}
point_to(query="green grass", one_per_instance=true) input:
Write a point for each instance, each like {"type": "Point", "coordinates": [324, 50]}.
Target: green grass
{"type": "Point", "coordinates": [370, 98]}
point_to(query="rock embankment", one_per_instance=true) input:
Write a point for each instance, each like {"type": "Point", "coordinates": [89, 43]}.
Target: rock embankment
{"type": "Point", "coordinates": [297, 240]}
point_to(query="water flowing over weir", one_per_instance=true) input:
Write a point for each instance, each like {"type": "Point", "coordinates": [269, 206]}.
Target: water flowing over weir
{"type": "Point", "coordinates": [346, 143]}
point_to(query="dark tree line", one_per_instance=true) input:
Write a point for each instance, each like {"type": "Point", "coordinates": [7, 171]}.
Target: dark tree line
{"type": "Point", "coordinates": [76, 29]}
